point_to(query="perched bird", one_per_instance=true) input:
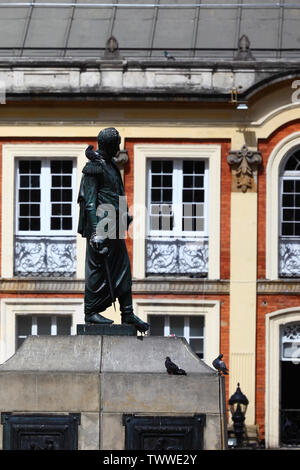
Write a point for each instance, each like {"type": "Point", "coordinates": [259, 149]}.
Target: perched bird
{"type": "Point", "coordinates": [220, 365]}
{"type": "Point", "coordinates": [172, 368]}
{"type": "Point", "coordinates": [168, 56]}
{"type": "Point", "coordinates": [90, 153]}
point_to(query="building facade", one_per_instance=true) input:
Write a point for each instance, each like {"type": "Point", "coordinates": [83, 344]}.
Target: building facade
{"type": "Point", "coordinates": [210, 129]}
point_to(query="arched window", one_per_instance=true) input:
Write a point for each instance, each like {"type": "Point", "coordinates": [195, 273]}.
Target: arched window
{"type": "Point", "coordinates": [289, 232]}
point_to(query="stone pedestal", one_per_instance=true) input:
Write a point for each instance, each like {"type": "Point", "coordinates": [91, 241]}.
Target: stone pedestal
{"type": "Point", "coordinates": [108, 382]}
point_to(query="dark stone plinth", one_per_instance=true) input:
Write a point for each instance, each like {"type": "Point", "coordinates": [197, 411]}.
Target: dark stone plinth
{"type": "Point", "coordinates": [110, 330]}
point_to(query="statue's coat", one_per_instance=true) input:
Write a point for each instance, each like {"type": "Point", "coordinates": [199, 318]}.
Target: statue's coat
{"type": "Point", "coordinates": [101, 183]}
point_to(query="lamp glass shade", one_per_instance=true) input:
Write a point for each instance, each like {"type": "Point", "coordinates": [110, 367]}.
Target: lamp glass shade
{"type": "Point", "coordinates": [238, 402]}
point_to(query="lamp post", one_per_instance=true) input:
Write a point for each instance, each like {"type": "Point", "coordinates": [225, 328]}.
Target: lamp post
{"type": "Point", "coordinates": [238, 403]}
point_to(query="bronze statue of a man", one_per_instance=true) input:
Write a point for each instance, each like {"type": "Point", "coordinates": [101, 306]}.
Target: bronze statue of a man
{"type": "Point", "coordinates": [107, 265]}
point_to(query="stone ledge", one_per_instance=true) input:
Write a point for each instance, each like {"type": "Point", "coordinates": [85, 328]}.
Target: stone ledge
{"type": "Point", "coordinates": [143, 286]}
{"type": "Point", "coordinates": [149, 285]}
{"type": "Point", "coordinates": [287, 287]}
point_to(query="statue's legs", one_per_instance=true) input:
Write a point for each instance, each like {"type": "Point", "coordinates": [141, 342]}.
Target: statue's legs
{"type": "Point", "coordinates": [95, 300]}
{"type": "Point", "coordinates": [127, 315]}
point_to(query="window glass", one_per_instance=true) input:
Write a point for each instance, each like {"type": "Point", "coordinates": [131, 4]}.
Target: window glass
{"type": "Point", "coordinates": [196, 326]}
{"type": "Point", "coordinates": [45, 184]}
{"type": "Point", "coordinates": [64, 325]}
{"type": "Point", "coordinates": [156, 325]}
{"type": "Point", "coordinates": [29, 195]}
{"type": "Point", "coordinates": [27, 325]}
{"type": "Point", "coordinates": [176, 325]}
{"type": "Point", "coordinates": [23, 328]}
{"type": "Point", "coordinates": [44, 325]}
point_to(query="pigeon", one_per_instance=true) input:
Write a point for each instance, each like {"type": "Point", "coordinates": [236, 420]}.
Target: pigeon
{"type": "Point", "coordinates": [91, 154]}
{"type": "Point", "coordinates": [220, 365]}
{"type": "Point", "coordinates": [168, 56]}
{"type": "Point", "coordinates": [172, 368]}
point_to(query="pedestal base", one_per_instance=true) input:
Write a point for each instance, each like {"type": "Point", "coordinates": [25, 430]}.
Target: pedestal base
{"type": "Point", "coordinates": [107, 330]}
{"type": "Point", "coordinates": [117, 390]}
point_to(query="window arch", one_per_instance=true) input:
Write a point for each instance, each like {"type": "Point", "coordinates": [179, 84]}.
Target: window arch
{"type": "Point", "coordinates": [289, 215]}
{"type": "Point", "coordinates": [281, 261]}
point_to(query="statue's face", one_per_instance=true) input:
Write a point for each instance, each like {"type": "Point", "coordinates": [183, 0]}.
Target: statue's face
{"type": "Point", "coordinates": [115, 146]}
{"type": "Point", "coordinates": [109, 143]}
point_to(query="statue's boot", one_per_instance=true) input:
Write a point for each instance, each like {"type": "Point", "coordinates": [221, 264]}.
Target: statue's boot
{"type": "Point", "coordinates": [129, 318]}
{"type": "Point", "coordinates": [97, 319]}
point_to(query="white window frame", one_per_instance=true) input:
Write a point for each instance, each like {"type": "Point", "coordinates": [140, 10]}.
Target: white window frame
{"type": "Point", "coordinates": [209, 309]}
{"type": "Point", "coordinates": [11, 152]}
{"type": "Point", "coordinates": [12, 307]}
{"type": "Point", "coordinates": [34, 326]}
{"type": "Point", "coordinates": [45, 203]}
{"type": "Point", "coordinates": [285, 176]}
{"type": "Point", "coordinates": [143, 153]}
{"type": "Point", "coordinates": [186, 328]}
{"type": "Point", "coordinates": [178, 203]}
{"type": "Point", "coordinates": [281, 151]}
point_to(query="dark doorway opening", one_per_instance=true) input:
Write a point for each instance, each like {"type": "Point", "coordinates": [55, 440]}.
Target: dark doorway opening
{"type": "Point", "coordinates": [290, 404]}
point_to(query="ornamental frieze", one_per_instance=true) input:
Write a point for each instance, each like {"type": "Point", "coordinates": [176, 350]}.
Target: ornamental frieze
{"type": "Point", "coordinates": [244, 165]}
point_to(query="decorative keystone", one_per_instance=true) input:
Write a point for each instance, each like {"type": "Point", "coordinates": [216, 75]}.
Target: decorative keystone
{"type": "Point", "coordinates": [244, 165]}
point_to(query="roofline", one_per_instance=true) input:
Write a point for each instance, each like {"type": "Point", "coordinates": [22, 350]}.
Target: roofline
{"type": "Point", "coordinates": [92, 62]}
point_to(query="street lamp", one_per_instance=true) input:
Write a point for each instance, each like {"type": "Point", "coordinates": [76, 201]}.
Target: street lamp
{"type": "Point", "coordinates": [238, 403]}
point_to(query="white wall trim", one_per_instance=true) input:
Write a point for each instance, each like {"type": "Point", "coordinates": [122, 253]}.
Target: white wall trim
{"type": "Point", "coordinates": [274, 321]}
{"type": "Point", "coordinates": [9, 153]}
{"type": "Point", "coordinates": [274, 113]}
{"type": "Point", "coordinates": [272, 201]}
{"type": "Point", "coordinates": [28, 306]}
{"type": "Point", "coordinates": [210, 309]}
{"type": "Point", "coordinates": [144, 152]}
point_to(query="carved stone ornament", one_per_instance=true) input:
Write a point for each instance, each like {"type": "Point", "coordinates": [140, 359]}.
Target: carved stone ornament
{"type": "Point", "coordinates": [112, 51]}
{"type": "Point", "coordinates": [244, 165]}
{"type": "Point", "coordinates": [122, 158]}
{"type": "Point", "coordinates": [244, 51]}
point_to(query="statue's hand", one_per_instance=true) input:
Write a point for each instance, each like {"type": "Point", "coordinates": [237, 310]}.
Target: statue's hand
{"type": "Point", "coordinates": [99, 244]}
{"type": "Point", "coordinates": [104, 251]}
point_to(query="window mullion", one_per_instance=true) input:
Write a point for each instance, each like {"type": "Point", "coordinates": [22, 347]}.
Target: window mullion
{"type": "Point", "coordinates": [186, 328]}
{"type": "Point", "coordinates": [177, 197]}
{"type": "Point", "coordinates": [34, 326]}
{"type": "Point", "coordinates": [148, 196]}
{"type": "Point", "coordinates": [167, 326]}
{"type": "Point", "coordinates": [53, 326]}
{"type": "Point", "coordinates": [206, 200]}
{"type": "Point", "coordinates": [204, 339]}
{"type": "Point", "coordinates": [17, 212]}
{"type": "Point", "coordinates": [74, 195]}
{"type": "Point", "coordinates": [45, 196]}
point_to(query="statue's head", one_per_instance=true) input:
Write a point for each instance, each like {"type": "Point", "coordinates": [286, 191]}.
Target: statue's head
{"type": "Point", "coordinates": [109, 142]}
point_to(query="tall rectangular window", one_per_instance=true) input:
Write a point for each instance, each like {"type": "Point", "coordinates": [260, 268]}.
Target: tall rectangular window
{"type": "Point", "coordinates": [177, 241]}
{"type": "Point", "coordinates": [45, 217]}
